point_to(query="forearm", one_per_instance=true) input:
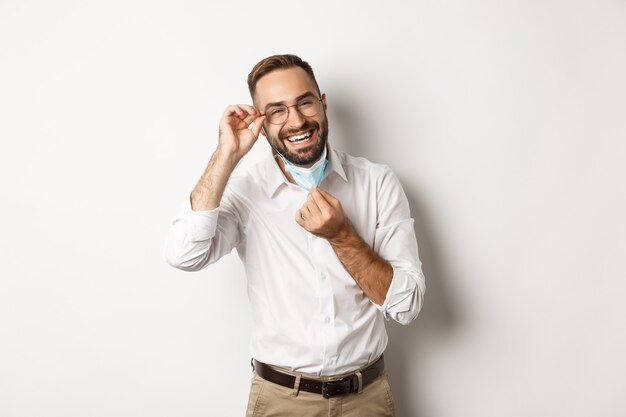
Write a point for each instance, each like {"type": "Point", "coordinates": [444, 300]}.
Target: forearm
{"type": "Point", "coordinates": [208, 192]}
{"type": "Point", "coordinates": [371, 272]}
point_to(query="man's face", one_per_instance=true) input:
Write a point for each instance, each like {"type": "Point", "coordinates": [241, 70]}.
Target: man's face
{"type": "Point", "coordinates": [300, 139]}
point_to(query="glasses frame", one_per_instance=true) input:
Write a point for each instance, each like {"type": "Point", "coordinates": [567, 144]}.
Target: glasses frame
{"type": "Point", "coordinates": [296, 106]}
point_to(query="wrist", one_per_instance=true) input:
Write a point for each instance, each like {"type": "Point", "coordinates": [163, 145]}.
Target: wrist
{"type": "Point", "coordinates": [226, 158]}
{"type": "Point", "coordinates": [343, 235]}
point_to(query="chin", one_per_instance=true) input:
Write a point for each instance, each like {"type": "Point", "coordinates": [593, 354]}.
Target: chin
{"type": "Point", "coordinates": [306, 156]}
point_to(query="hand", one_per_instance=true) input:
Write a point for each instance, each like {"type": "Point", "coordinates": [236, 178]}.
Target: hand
{"type": "Point", "coordinates": [236, 137]}
{"type": "Point", "coordinates": [322, 215]}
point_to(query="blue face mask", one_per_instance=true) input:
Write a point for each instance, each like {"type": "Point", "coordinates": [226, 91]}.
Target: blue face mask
{"type": "Point", "coordinates": [307, 178]}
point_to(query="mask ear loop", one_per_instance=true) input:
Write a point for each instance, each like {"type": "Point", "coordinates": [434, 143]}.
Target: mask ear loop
{"type": "Point", "coordinates": [270, 143]}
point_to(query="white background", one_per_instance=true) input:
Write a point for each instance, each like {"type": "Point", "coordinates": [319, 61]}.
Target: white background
{"type": "Point", "coordinates": [504, 120]}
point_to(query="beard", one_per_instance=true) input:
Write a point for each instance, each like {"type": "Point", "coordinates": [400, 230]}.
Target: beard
{"type": "Point", "coordinates": [302, 156]}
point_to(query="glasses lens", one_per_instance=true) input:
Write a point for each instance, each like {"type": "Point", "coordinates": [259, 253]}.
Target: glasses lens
{"type": "Point", "coordinates": [277, 115]}
{"type": "Point", "coordinates": [309, 107]}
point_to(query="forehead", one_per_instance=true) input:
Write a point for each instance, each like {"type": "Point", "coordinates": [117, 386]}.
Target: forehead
{"type": "Point", "coordinates": [283, 86]}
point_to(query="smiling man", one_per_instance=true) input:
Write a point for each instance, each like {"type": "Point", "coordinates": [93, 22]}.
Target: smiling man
{"type": "Point", "coordinates": [327, 242]}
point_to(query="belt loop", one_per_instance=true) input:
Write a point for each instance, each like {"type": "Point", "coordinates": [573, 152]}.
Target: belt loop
{"type": "Point", "coordinates": [360, 378]}
{"type": "Point", "coordinates": [296, 385]}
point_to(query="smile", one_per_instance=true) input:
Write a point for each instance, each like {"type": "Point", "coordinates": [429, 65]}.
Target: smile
{"type": "Point", "coordinates": [298, 138]}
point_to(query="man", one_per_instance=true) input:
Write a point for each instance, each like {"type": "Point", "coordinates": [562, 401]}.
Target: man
{"type": "Point", "coordinates": [325, 265]}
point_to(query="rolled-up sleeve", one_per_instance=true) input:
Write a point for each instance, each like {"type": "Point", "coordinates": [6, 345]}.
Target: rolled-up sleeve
{"type": "Point", "coordinates": [396, 243]}
{"type": "Point", "coordinates": [199, 238]}
{"type": "Point", "coordinates": [404, 297]}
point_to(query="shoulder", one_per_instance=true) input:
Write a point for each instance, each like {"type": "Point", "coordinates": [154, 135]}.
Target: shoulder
{"type": "Point", "coordinates": [359, 166]}
{"type": "Point", "coordinates": [378, 178]}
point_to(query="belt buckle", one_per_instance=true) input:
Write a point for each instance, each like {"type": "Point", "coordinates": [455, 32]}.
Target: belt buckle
{"type": "Point", "coordinates": [338, 382]}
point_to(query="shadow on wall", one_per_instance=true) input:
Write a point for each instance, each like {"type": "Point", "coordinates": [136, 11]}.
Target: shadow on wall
{"type": "Point", "coordinates": [438, 318]}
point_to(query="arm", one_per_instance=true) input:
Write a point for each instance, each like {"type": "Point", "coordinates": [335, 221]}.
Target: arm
{"type": "Point", "coordinates": [390, 272]}
{"type": "Point", "coordinates": [323, 216]}
{"type": "Point", "coordinates": [371, 272]}
{"type": "Point", "coordinates": [193, 241]}
{"type": "Point", "coordinates": [235, 140]}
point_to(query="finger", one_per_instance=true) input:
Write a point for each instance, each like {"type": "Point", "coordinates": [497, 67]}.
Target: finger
{"type": "Point", "coordinates": [233, 117]}
{"type": "Point", "coordinates": [238, 118]}
{"type": "Point", "coordinates": [235, 121]}
{"type": "Point", "coordinates": [312, 205]}
{"type": "Point", "coordinates": [249, 119]}
{"type": "Point", "coordinates": [328, 197]}
{"type": "Point", "coordinates": [320, 200]}
{"type": "Point", "coordinates": [249, 109]}
{"type": "Point", "coordinates": [234, 111]}
{"type": "Point", "coordinates": [242, 111]}
{"type": "Point", "coordinates": [257, 125]}
{"type": "Point", "coordinates": [300, 219]}
{"type": "Point", "coordinates": [306, 213]}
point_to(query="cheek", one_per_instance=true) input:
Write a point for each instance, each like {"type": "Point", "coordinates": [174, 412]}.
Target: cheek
{"type": "Point", "coordinates": [272, 134]}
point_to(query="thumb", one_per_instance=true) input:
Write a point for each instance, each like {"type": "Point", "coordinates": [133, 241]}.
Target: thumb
{"type": "Point", "coordinates": [257, 124]}
{"type": "Point", "coordinates": [328, 197]}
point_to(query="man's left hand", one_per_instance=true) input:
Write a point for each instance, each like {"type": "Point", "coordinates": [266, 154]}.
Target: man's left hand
{"type": "Point", "coordinates": [322, 215]}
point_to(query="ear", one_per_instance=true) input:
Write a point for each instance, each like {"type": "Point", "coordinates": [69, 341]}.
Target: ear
{"type": "Point", "coordinates": [324, 102]}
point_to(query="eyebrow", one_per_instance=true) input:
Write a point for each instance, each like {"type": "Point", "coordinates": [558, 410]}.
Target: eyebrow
{"type": "Point", "coordinates": [300, 97]}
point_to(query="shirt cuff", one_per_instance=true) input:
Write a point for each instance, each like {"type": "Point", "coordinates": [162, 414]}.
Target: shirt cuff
{"type": "Point", "coordinates": [400, 295]}
{"type": "Point", "coordinates": [201, 224]}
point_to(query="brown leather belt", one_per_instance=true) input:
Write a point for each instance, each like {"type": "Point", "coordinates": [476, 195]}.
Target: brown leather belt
{"type": "Point", "coordinates": [332, 388]}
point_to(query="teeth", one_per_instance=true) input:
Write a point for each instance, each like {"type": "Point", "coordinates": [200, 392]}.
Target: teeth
{"type": "Point", "coordinates": [299, 137]}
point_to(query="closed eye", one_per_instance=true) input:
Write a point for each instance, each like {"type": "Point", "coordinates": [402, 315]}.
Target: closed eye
{"type": "Point", "coordinates": [274, 112]}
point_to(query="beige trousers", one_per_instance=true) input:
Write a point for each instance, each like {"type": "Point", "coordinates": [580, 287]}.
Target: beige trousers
{"type": "Point", "coordinates": [272, 400]}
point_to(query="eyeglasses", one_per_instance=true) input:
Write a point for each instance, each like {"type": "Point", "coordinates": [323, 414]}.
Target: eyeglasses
{"type": "Point", "coordinates": [308, 106]}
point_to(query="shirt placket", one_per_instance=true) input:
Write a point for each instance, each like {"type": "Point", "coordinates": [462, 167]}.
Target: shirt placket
{"type": "Point", "coordinates": [326, 313]}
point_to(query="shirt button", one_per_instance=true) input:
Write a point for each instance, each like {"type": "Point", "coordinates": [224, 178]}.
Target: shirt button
{"type": "Point", "coordinates": [327, 319]}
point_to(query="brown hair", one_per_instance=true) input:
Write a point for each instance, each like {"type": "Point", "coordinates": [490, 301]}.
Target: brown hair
{"type": "Point", "coordinates": [277, 62]}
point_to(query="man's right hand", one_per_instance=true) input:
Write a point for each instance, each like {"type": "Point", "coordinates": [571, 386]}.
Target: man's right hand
{"type": "Point", "coordinates": [236, 137]}
{"type": "Point", "coordinates": [236, 140]}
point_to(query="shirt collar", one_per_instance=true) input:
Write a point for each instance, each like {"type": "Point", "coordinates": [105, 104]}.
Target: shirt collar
{"type": "Point", "coordinates": [334, 163]}
{"type": "Point", "coordinates": [274, 177]}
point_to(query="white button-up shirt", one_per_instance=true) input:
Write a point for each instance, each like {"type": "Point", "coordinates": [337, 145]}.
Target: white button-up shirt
{"type": "Point", "coordinates": [309, 314]}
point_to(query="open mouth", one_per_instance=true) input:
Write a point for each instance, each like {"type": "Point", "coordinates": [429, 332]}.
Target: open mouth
{"type": "Point", "coordinates": [301, 137]}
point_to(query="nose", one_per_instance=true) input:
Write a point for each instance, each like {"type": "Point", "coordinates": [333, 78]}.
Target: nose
{"type": "Point", "coordinates": [294, 118]}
